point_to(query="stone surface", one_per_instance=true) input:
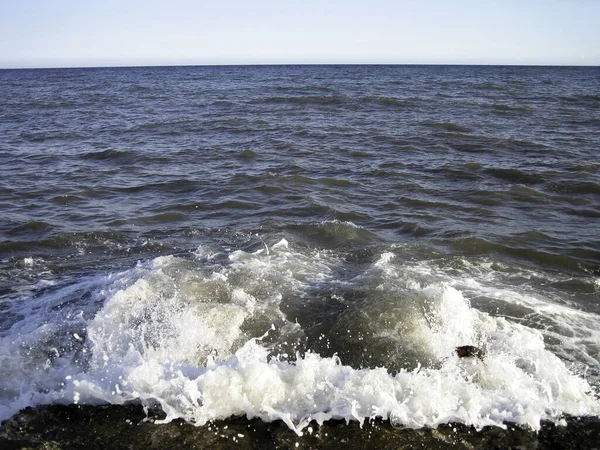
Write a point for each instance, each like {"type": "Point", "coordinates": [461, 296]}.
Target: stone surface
{"type": "Point", "coordinates": [128, 427]}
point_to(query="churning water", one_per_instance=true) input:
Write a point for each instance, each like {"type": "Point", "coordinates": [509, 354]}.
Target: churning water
{"type": "Point", "coordinates": [302, 243]}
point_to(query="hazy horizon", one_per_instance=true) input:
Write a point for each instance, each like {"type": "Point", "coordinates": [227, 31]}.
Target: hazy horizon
{"type": "Point", "coordinates": [42, 34]}
{"type": "Point", "coordinates": [133, 66]}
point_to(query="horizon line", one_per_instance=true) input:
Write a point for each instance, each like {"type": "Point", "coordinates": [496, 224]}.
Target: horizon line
{"type": "Point", "coordinates": [133, 66]}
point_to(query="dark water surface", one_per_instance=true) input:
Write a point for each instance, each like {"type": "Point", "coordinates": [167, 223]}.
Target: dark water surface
{"type": "Point", "coordinates": [302, 242]}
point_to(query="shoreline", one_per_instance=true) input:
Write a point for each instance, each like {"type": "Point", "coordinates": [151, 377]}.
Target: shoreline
{"type": "Point", "coordinates": [128, 427]}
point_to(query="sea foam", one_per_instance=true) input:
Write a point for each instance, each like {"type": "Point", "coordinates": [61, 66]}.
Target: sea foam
{"type": "Point", "coordinates": [201, 341]}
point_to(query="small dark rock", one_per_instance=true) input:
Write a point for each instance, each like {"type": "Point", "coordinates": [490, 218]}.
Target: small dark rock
{"type": "Point", "coordinates": [469, 351]}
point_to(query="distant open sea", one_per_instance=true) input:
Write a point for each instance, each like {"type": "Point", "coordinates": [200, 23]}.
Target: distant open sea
{"type": "Point", "coordinates": [303, 243]}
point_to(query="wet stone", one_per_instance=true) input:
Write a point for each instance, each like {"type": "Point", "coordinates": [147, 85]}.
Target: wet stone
{"type": "Point", "coordinates": [128, 427]}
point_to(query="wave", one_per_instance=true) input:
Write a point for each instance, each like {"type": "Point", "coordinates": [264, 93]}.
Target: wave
{"type": "Point", "coordinates": [51, 135]}
{"type": "Point", "coordinates": [286, 181]}
{"type": "Point", "coordinates": [66, 199]}
{"type": "Point", "coordinates": [166, 217]}
{"type": "Point", "coordinates": [338, 100]}
{"type": "Point", "coordinates": [247, 154]}
{"type": "Point", "coordinates": [447, 126]}
{"type": "Point", "coordinates": [574, 187]}
{"type": "Point", "coordinates": [326, 100]}
{"type": "Point", "coordinates": [589, 167]}
{"type": "Point", "coordinates": [394, 102]}
{"type": "Point", "coordinates": [528, 194]}
{"type": "Point", "coordinates": [501, 108]}
{"type": "Point", "coordinates": [588, 100]}
{"type": "Point", "coordinates": [514, 175]}
{"type": "Point", "coordinates": [56, 105]}
{"type": "Point", "coordinates": [180, 186]}
{"type": "Point", "coordinates": [584, 212]}
{"type": "Point", "coordinates": [222, 335]}
{"type": "Point", "coordinates": [542, 252]}
{"type": "Point", "coordinates": [333, 233]}
{"type": "Point", "coordinates": [71, 245]}
{"type": "Point", "coordinates": [468, 142]}
{"type": "Point", "coordinates": [119, 156]}
{"type": "Point", "coordinates": [33, 227]}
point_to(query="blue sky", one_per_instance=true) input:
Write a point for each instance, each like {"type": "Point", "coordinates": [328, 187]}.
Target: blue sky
{"type": "Point", "coordinates": [70, 33]}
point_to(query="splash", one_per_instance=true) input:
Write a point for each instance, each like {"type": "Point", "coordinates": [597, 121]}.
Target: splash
{"type": "Point", "coordinates": [207, 338]}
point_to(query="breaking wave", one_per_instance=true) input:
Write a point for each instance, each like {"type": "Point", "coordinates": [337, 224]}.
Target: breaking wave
{"type": "Point", "coordinates": [222, 334]}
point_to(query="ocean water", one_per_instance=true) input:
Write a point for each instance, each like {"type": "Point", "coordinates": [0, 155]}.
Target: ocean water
{"type": "Point", "coordinates": [302, 243]}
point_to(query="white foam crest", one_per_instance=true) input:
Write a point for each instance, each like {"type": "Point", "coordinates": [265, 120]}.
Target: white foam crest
{"type": "Point", "coordinates": [451, 321]}
{"type": "Point", "coordinates": [206, 253]}
{"type": "Point", "coordinates": [44, 344]}
{"type": "Point", "coordinates": [172, 333]}
{"type": "Point", "coordinates": [89, 340]}
{"type": "Point", "coordinates": [319, 389]}
{"type": "Point", "coordinates": [517, 365]}
{"type": "Point", "coordinates": [572, 333]}
{"type": "Point", "coordinates": [174, 313]}
{"type": "Point", "coordinates": [431, 318]}
{"type": "Point", "coordinates": [344, 223]}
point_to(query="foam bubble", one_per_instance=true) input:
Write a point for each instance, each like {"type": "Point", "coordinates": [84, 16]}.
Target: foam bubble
{"type": "Point", "coordinates": [203, 341]}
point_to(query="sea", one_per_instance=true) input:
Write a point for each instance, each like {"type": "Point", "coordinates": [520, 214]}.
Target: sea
{"type": "Point", "coordinates": [303, 243]}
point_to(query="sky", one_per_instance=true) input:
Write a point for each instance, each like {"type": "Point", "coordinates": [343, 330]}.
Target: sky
{"type": "Point", "coordinates": [81, 33]}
